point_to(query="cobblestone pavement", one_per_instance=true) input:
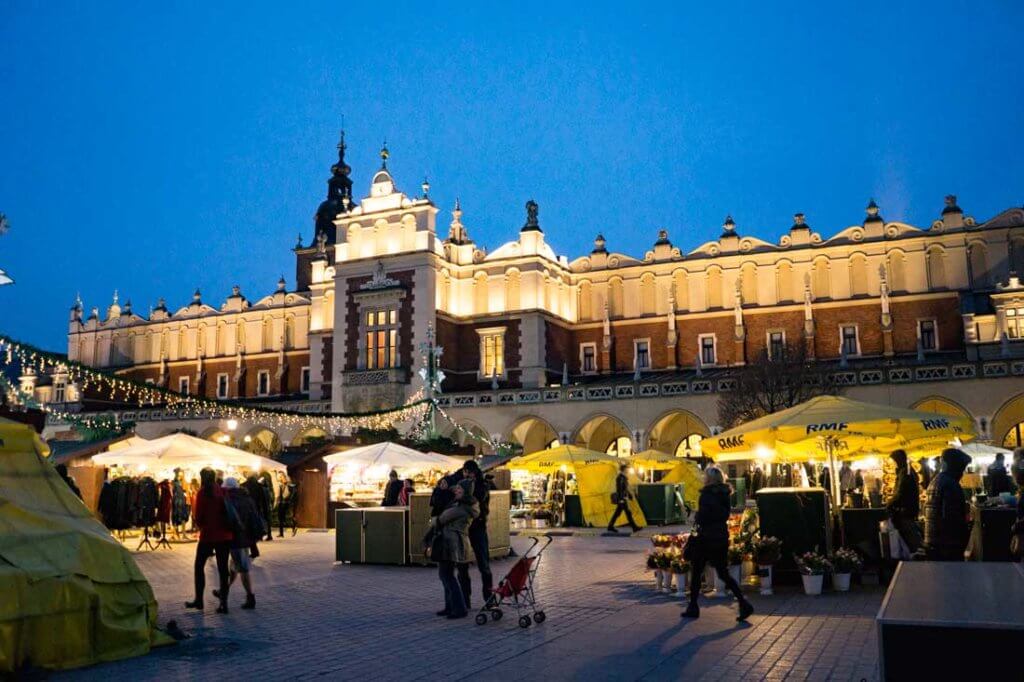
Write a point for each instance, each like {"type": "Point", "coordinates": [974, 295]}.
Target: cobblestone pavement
{"type": "Point", "coordinates": [315, 618]}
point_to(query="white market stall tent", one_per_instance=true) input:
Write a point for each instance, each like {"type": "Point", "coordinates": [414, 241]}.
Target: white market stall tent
{"type": "Point", "coordinates": [358, 475]}
{"type": "Point", "coordinates": [180, 450]}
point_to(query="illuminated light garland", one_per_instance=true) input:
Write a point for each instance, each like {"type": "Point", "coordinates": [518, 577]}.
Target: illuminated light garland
{"type": "Point", "coordinates": [495, 442]}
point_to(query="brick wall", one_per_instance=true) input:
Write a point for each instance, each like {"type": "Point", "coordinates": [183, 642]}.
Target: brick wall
{"type": "Point", "coordinates": [405, 312]}
{"type": "Point", "coordinates": [461, 358]}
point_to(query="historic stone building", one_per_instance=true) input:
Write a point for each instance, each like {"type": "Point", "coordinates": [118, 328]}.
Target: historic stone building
{"type": "Point", "coordinates": [606, 349]}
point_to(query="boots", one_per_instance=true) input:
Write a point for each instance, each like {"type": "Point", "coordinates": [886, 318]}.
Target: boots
{"type": "Point", "coordinates": [746, 609]}
{"type": "Point", "coordinates": [197, 604]}
{"type": "Point", "coordinates": [692, 610]}
{"type": "Point", "coordinates": [250, 601]}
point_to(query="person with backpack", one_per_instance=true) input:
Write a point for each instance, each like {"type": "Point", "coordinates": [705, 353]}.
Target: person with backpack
{"type": "Point", "coordinates": [247, 526]}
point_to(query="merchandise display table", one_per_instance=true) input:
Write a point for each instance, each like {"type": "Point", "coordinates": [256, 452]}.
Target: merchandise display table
{"type": "Point", "coordinates": [957, 607]}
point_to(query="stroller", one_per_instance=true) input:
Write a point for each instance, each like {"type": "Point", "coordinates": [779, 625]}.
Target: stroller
{"type": "Point", "coordinates": [516, 589]}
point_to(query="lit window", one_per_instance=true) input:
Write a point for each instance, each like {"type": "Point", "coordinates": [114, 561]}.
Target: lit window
{"type": "Point", "coordinates": [1015, 323]}
{"type": "Point", "coordinates": [776, 344]}
{"type": "Point", "coordinates": [588, 357]}
{"type": "Point", "coordinates": [926, 334]}
{"type": "Point", "coordinates": [707, 349]}
{"type": "Point", "coordinates": [848, 338]}
{"type": "Point", "coordinates": [492, 352]}
{"type": "Point", "coordinates": [59, 392]}
{"type": "Point", "coordinates": [381, 339]}
{"type": "Point", "coordinates": [263, 382]}
{"type": "Point", "coordinates": [642, 355]}
{"type": "Point", "coordinates": [222, 386]}
{"type": "Point", "coordinates": [304, 380]}
{"type": "Point", "coordinates": [689, 446]}
{"type": "Point", "coordinates": [183, 385]}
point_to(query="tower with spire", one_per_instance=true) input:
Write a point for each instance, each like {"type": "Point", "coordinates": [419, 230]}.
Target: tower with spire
{"type": "Point", "coordinates": [339, 194]}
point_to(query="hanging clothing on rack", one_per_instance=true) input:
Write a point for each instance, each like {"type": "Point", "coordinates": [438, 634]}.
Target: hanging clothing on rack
{"type": "Point", "coordinates": [147, 502]}
{"type": "Point", "coordinates": [180, 509]}
{"type": "Point", "coordinates": [163, 512]}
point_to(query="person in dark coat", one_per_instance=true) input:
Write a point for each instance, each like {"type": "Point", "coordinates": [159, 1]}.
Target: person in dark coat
{"type": "Point", "coordinates": [448, 540]}
{"type": "Point", "coordinates": [62, 470]}
{"type": "Point", "coordinates": [478, 529]}
{"type": "Point", "coordinates": [247, 527]}
{"type": "Point", "coordinates": [261, 500]}
{"type": "Point", "coordinates": [622, 498]}
{"type": "Point", "coordinates": [711, 543]}
{"type": "Point", "coordinates": [441, 496]}
{"type": "Point", "coordinates": [998, 479]}
{"type": "Point", "coordinates": [392, 490]}
{"type": "Point", "coordinates": [210, 516]}
{"type": "Point", "coordinates": [946, 531]}
{"type": "Point", "coordinates": [905, 504]}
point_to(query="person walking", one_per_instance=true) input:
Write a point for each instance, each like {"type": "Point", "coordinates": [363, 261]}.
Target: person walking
{"type": "Point", "coordinates": [904, 506]}
{"type": "Point", "coordinates": [945, 521]}
{"type": "Point", "coordinates": [622, 498]}
{"type": "Point", "coordinates": [999, 480]}
{"type": "Point", "coordinates": [709, 543]}
{"type": "Point", "coordinates": [286, 502]}
{"type": "Point", "coordinates": [246, 527]}
{"type": "Point", "coordinates": [448, 541]}
{"type": "Point", "coordinates": [478, 538]}
{"type": "Point", "coordinates": [392, 490]}
{"type": "Point", "coordinates": [210, 516]}
{"type": "Point", "coordinates": [261, 500]}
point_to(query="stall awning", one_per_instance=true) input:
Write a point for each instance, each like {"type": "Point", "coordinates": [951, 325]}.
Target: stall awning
{"type": "Point", "coordinates": [183, 450]}
{"type": "Point", "coordinates": [387, 456]}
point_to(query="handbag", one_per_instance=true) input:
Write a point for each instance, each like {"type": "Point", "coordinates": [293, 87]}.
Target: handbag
{"type": "Point", "coordinates": [615, 498]}
{"type": "Point", "coordinates": [692, 549]}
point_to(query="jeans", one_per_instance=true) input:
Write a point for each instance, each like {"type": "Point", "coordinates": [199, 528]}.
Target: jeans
{"type": "Point", "coordinates": [453, 599]}
{"type": "Point", "coordinates": [619, 508]}
{"type": "Point", "coordinates": [481, 548]}
{"type": "Point", "coordinates": [204, 550]}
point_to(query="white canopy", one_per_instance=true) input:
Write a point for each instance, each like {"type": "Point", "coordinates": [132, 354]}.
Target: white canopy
{"type": "Point", "coordinates": [183, 450]}
{"type": "Point", "coordinates": [380, 458]}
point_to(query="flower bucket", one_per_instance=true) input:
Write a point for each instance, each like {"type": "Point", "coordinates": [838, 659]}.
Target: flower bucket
{"type": "Point", "coordinates": [681, 585]}
{"type": "Point", "coordinates": [841, 582]}
{"type": "Point", "coordinates": [657, 579]}
{"type": "Point", "coordinates": [736, 571]}
{"type": "Point", "coordinates": [749, 571]}
{"type": "Point", "coordinates": [765, 575]}
{"type": "Point", "coordinates": [812, 583]}
{"type": "Point", "coordinates": [666, 580]}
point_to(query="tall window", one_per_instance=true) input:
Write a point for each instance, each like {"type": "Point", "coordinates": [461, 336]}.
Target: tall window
{"type": "Point", "coordinates": [707, 349]}
{"type": "Point", "coordinates": [59, 391]}
{"type": "Point", "coordinates": [304, 380]}
{"type": "Point", "coordinates": [492, 352]}
{"type": "Point", "coordinates": [776, 344]}
{"type": "Point", "coordinates": [381, 339]}
{"type": "Point", "coordinates": [588, 357]}
{"type": "Point", "coordinates": [263, 382]}
{"type": "Point", "coordinates": [642, 354]}
{"type": "Point", "coordinates": [183, 385]}
{"type": "Point", "coordinates": [926, 334]}
{"type": "Point", "coordinates": [222, 386]}
{"type": "Point", "coordinates": [848, 339]}
{"type": "Point", "coordinates": [1015, 323]}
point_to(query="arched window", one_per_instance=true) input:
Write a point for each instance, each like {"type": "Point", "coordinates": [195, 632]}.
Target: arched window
{"type": "Point", "coordinates": [748, 283]}
{"type": "Point", "coordinates": [689, 446]}
{"type": "Point", "coordinates": [714, 287]}
{"type": "Point", "coordinates": [821, 283]}
{"type": "Point", "coordinates": [480, 296]}
{"type": "Point", "coordinates": [979, 266]}
{"type": "Point", "coordinates": [586, 303]}
{"type": "Point", "coordinates": [897, 271]}
{"type": "Point", "coordinates": [648, 304]}
{"type": "Point", "coordinates": [784, 282]}
{"type": "Point", "coordinates": [937, 268]}
{"type": "Point", "coordinates": [1014, 437]}
{"type": "Point", "coordinates": [858, 275]}
{"type": "Point", "coordinates": [512, 278]}
{"type": "Point", "coordinates": [682, 289]}
{"type": "Point", "coordinates": [620, 447]}
{"type": "Point", "coordinates": [615, 304]}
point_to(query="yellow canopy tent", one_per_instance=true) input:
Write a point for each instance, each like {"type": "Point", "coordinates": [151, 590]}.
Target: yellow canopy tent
{"type": "Point", "coordinates": [72, 595]}
{"type": "Point", "coordinates": [596, 483]}
{"type": "Point", "coordinates": [834, 428]}
{"type": "Point", "coordinates": [687, 472]}
{"type": "Point", "coordinates": [561, 458]}
{"type": "Point", "coordinates": [654, 459]}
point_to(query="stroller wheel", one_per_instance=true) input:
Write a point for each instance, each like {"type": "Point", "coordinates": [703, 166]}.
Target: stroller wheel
{"type": "Point", "coordinates": [539, 617]}
{"type": "Point", "coordinates": [496, 614]}
{"type": "Point", "coordinates": [524, 621]}
{"type": "Point", "coordinates": [481, 619]}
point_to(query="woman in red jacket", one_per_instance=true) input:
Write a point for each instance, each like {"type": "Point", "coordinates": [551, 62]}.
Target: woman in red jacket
{"type": "Point", "coordinates": [215, 537]}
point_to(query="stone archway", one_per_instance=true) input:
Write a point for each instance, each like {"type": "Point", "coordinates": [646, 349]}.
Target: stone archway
{"type": "Point", "coordinates": [310, 433]}
{"type": "Point", "coordinates": [677, 432]}
{"type": "Point", "coordinates": [604, 433]}
{"type": "Point", "coordinates": [261, 441]}
{"type": "Point", "coordinates": [533, 434]}
{"type": "Point", "coordinates": [941, 405]}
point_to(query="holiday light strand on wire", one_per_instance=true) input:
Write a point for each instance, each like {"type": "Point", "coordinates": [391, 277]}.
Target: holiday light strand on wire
{"type": "Point", "coordinates": [87, 420]}
{"type": "Point", "coordinates": [494, 441]}
{"type": "Point", "coordinates": [128, 391]}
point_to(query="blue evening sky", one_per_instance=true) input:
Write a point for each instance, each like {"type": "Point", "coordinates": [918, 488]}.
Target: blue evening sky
{"type": "Point", "coordinates": [158, 147]}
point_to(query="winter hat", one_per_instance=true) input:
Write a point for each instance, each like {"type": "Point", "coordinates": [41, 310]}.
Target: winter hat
{"type": "Point", "coordinates": [231, 483]}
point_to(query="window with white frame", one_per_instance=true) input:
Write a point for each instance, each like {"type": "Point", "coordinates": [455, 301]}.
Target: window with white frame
{"type": "Point", "coordinates": [263, 382]}
{"type": "Point", "coordinates": [59, 391]}
{"type": "Point", "coordinates": [707, 347]}
{"type": "Point", "coordinates": [222, 386]}
{"type": "Point", "coordinates": [588, 357]}
{"type": "Point", "coordinates": [642, 354]}
{"type": "Point", "coordinates": [183, 385]}
{"type": "Point", "coordinates": [776, 344]}
{"type": "Point", "coordinates": [304, 380]}
{"type": "Point", "coordinates": [927, 334]}
{"type": "Point", "coordinates": [492, 352]}
{"type": "Point", "coordinates": [381, 338]}
{"type": "Point", "coordinates": [1014, 322]}
{"type": "Point", "coordinates": [849, 340]}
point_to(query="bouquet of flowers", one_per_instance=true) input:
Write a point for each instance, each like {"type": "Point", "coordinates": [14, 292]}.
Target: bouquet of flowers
{"type": "Point", "coordinates": [812, 563]}
{"type": "Point", "coordinates": [663, 560]}
{"type": "Point", "coordinates": [736, 555]}
{"type": "Point", "coordinates": [846, 561]}
{"type": "Point", "coordinates": [679, 565]}
{"type": "Point", "coordinates": [767, 550]}
{"type": "Point", "coordinates": [662, 540]}
{"type": "Point", "coordinates": [652, 561]}
{"type": "Point", "coordinates": [746, 534]}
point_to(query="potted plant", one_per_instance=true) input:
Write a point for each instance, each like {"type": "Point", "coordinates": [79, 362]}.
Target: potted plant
{"type": "Point", "coordinates": [812, 567]}
{"type": "Point", "coordinates": [680, 568]}
{"type": "Point", "coordinates": [844, 562]}
{"type": "Point", "coordinates": [664, 561]}
{"type": "Point", "coordinates": [736, 557]}
{"type": "Point", "coordinates": [652, 565]}
{"type": "Point", "coordinates": [767, 551]}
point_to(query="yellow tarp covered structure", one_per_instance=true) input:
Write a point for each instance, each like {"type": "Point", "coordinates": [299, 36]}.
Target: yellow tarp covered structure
{"type": "Point", "coordinates": [595, 484]}
{"type": "Point", "coordinates": [654, 459]}
{"type": "Point", "coordinates": [561, 458]}
{"type": "Point", "coordinates": [689, 474]}
{"type": "Point", "coordinates": [70, 595]}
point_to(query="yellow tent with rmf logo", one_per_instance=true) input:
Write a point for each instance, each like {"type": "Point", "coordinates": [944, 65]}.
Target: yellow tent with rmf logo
{"type": "Point", "coordinates": [561, 458]}
{"type": "Point", "coordinates": [833, 427]}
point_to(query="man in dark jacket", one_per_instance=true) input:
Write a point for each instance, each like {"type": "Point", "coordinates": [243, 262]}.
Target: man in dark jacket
{"type": "Point", "coordinates": [247, 526]}
{"type": "Point", "coordinates": [260, 498]}
{"type": "Point", "coordinates": [448, 541]}
{"type": "Point", "coordinates": [998, 479]}
{"type": "Point", "coordinates": [393, 489]}
{"type": "Point", "coordinates": [478, 528]}
{"type": "Point", "coordinates": [945, 521]}
{"type": "Point", "coordinates": [905, 504]}
{"type": "Point", "coordinates": [622, 498]}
